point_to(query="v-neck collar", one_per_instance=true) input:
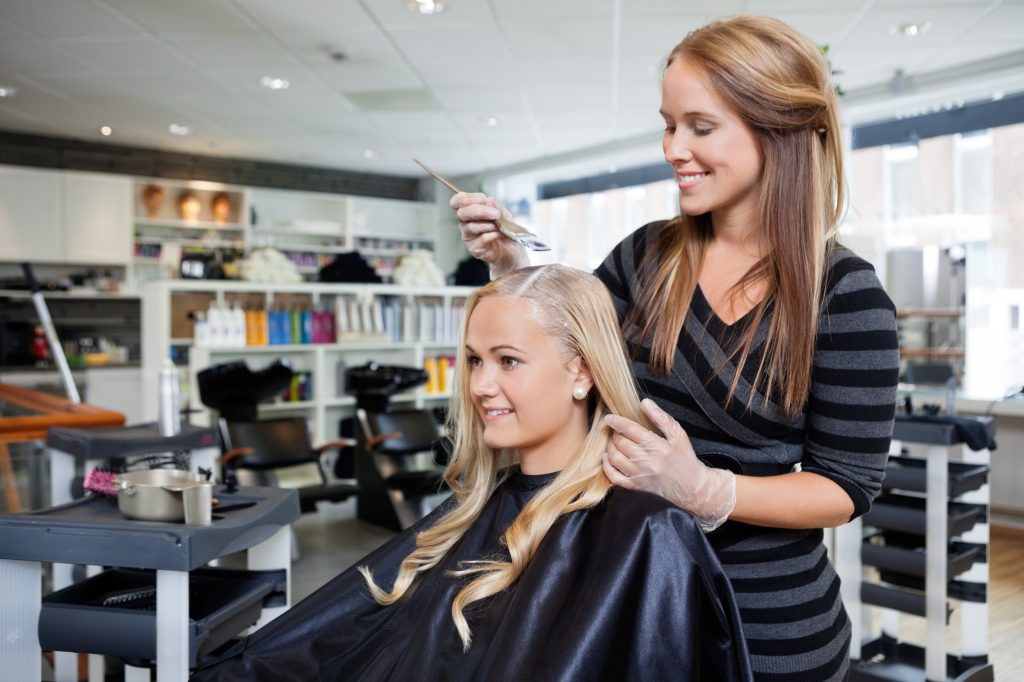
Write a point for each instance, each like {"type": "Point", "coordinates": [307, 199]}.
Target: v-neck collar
{"type": "Point", "coordinates": [708, 315]}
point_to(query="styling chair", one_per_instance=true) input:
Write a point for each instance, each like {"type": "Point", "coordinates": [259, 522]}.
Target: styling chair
{"type": "Point", "coordinates": [275, 452]}
{"type": "Point", "coordinates": [401, 452]}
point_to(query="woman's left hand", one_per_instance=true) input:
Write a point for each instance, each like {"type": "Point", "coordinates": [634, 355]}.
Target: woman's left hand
{"type": "Point", "coordinates": [666, 465]}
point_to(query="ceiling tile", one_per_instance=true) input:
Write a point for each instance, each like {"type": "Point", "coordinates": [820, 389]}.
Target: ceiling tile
{"type": "Point", "coordinates": [674, 7]}
{"type": "Point", "coordinates": [656, 33]}
{"type": "Point", "coordinates": [202, 16]}
{"type": "Point", "coordinates": [580, 36]}
{"type": "Point", "coordinates": [276, 16]}
{"type": "Point", "coordinates": [394, 14]}
{"type": "Point", "coordinates": [63, 19]}
{"type": "Point", "coordinates": [35, 57]}
{"type": "Point", "coordinates": [475, 98]}
{"type": "Point", "coordinates": [774, 7]}
{"type": "Point", "coordinates": [133, 53]}
{"type": "Point", "coordinates": [508, 10]}
{"type": "Point", "coordinates": [1005, 22]}
{"type": "Point", "coordinates": [11, 31]}
{"type": "Point", "coordinates": [232, 49]}
{"type": "Point", "coordinates": [824, 28]}
{"type": "Point", "coordinates": [877, 26]}
{"type": "Point", "coordinates": [364, 77]}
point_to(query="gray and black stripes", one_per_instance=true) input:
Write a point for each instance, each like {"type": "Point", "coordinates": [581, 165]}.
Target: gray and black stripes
{"type": "Point", "coordinates": [788, 592]}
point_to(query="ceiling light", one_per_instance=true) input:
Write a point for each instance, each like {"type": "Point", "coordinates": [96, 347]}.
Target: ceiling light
{"type": "Point", "coordinates": [106, 131]}
{"type": "Point", "coordinates": [912, 29]}
{"type": "Point", "coordinates": [178, 129]}
{"type": "Point", "coordinates": [425, 6]}
{"type": "Point", "coordinates": [492, 120]}
{"type": "Point", "coordinates": [274, 83]}
{"type": "Point", "coordinates": [371, 154]}
{"type": "Point", "coordinates": [8, 91]}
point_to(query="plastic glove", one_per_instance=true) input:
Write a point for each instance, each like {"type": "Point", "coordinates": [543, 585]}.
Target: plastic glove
{"type": "Point", "coordinates": [477, 213]}
{"type": "Point", "coordinates": [667, 466]}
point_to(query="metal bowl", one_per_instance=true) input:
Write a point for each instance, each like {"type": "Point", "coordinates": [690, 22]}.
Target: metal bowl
{"type": "Point", "coordinates": [154, 495]}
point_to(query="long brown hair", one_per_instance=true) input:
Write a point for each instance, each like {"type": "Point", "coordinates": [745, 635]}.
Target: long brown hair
{"type": "Point", "coordinates": [777, 81]}
{"type": "Point", "coordinates": [575, 309]}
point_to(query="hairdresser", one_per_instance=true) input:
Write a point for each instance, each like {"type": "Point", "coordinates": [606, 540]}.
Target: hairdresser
{"type": "Point", "coordinates": [767, 350]}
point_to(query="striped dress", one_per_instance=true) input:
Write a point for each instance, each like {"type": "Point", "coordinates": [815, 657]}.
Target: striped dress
{"type": "Point", "coordinates": [788, 592]}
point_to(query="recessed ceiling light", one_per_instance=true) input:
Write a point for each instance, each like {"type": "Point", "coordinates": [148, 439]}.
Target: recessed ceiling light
{"type": "Point", "coordinates": [371, 154]}
{"type": "Point", "coordinates": [178, 129]}
{"type": "Point", "coordinates": [106, 131]}
{"type": "Point", "coordinates": [8, 91]}
{"type": "Point", "coordinates": [492, 120]}
{"type": "Point", "coordinates": [274, 83]}
{"type": "Point", "coordinates": [425, 6]}
{"type": "Point", "coordinates": [912, 29]}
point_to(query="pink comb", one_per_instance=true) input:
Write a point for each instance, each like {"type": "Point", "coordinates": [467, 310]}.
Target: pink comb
{"type": "Point", "coordinates": [102, 482]}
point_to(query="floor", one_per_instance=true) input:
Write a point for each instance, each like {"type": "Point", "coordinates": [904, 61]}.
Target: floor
{"type": "Point", "coordinates": [333, 539]}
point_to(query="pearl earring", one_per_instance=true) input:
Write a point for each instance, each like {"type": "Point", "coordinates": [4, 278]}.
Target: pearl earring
{"type": "Point", "coordinates": [579, 393]}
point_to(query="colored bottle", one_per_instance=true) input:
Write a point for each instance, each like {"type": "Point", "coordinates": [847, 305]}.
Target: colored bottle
{"type": "Point", "coordinates": [306, 325]}
{"type": "Point", "coordinates": [295, 326]}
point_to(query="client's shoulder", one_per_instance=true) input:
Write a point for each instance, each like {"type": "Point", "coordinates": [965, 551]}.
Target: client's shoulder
{"type": "Point", "coordinates": [639, 507]}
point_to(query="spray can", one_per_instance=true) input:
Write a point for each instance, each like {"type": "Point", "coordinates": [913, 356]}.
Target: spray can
{"type": "Point", "coordinates": [170, 399]}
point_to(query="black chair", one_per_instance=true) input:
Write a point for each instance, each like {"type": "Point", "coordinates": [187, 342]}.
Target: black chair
{"type": "Point", "coordinates": [395, 480]}
{"type": "Point", "coordinates": [269, 446]}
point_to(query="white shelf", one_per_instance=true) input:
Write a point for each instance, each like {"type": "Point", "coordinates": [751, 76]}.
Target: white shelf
{"type": "Point", "coordinates": [189, 224]}
{"type": "Point", "coordinates": [286, 406]}
{"type": "Point", "coordinates": [322, 360]}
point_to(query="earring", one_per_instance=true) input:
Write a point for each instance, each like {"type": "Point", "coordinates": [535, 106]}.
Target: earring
{"type": "Point", "coordinates": [579, 393]}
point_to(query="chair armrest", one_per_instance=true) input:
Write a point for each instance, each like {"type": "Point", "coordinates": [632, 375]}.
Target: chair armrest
{"type": "Point", "coordinates": [337, 443]}
{"type": "Point", "coordinates": [372, 444]}
{"type": "Point", "coordinates": [232, 454]}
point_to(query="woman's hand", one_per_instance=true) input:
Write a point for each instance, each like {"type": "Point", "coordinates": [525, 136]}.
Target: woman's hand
{"type": "Point", "coordinates": [667, 466]}
{"type": "Point", "coordinates": [477, 214]}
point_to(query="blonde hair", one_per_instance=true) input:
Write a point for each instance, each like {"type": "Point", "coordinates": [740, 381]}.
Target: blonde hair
{"type": "Point", "coordinates": [574, 308]}
{"type": "Point", "coordinates": [777, 81]}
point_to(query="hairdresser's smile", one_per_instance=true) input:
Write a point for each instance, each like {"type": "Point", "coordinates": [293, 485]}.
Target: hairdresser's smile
{"type": "Point", "coordinates": [689, 179]}
{"type": "Point", "coordinates": [522, 385]}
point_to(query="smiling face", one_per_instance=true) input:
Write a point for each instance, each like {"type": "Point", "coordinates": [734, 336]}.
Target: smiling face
{"type": "Point", "coordinates": [715, 155]}
{"type": "Point", "coordinates": [522, 385]}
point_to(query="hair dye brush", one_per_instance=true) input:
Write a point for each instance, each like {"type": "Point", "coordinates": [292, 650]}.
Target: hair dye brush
{"type": "Point", "coordinates": [101, 482]}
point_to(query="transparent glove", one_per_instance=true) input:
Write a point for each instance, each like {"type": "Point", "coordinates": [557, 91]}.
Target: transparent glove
{"type": "Point", "coordinates": [477, 214]}
{"type": "Point", "coordinates": [666, 465]}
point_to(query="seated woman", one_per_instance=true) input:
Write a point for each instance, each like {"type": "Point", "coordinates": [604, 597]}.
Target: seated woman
{"type": "Point", "coordinates": [539, 570]}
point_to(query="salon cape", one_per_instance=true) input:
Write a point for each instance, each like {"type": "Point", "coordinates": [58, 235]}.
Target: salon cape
{"type": "Point", "coordinates": [627, 590]}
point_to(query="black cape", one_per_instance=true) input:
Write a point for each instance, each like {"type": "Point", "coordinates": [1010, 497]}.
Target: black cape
{"type": "Point", "coordinates": [627, 590]}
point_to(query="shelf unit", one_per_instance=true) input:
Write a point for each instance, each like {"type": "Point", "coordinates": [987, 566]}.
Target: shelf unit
{"type": "Point", "coordinates": [160, 233]}
{"type": "Point", "coordinates": [932, 335]}
{"type": "Point", "coordinates": [927, 538]}
{"type": "Point", "coordinates": [311, 227]}
{"type": "Point", "coordinates": [166, 333]}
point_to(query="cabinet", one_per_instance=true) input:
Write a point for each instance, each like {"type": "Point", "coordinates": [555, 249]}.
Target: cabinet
{"type": "Point", "coordinates": [31, 215]}
{"type": "Point", "coordinates": [97, 218]}
{"type": "Point", "coordinates": [64, 217]}
{"type": "Point", "coordinates": [425, 328]}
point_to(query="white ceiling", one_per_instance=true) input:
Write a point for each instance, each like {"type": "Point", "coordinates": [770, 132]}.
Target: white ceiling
{"type": "Point", "coordinates": [560, 75]}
